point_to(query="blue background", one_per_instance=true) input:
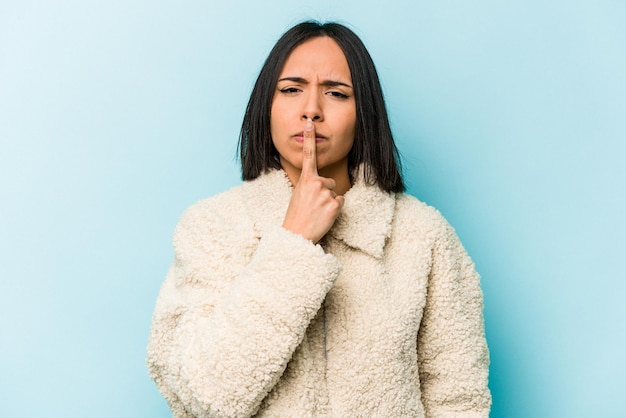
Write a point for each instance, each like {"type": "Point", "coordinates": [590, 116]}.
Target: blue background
{"type": "Point", "coordinates": [116, 115]}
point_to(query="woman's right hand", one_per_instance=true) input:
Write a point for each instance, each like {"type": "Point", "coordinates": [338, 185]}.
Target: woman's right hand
{"type": "Point", "coordinates": [314, 205]}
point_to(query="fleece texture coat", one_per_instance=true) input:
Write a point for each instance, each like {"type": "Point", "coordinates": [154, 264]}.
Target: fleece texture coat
{"type": "Point", "coordinates": [382, 319]}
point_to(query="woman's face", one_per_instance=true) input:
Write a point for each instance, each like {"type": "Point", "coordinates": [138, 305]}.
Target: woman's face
{"type": "Point", "coordinates": [315, 82]}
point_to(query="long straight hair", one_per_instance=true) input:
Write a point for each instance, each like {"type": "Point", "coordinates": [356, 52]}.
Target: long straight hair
{"type": "Point", "coordinates": [373, 148]}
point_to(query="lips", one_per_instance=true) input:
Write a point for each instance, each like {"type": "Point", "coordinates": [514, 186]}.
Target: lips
{"type": "Point", "coordinates": [299, 137]}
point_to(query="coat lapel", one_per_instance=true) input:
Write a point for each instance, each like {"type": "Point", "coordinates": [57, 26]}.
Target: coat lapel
{"type": "Point", "coordinates": [366, 218]}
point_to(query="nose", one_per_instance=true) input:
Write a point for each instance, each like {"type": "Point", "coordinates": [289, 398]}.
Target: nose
{"type": "Point", "coordinates": [313, 107]}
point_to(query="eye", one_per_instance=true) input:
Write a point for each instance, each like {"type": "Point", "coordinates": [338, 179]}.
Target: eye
{"type": "Point", "coordinates": [289, 90]}
{"type": "Point", "coordinates": [338, 94]}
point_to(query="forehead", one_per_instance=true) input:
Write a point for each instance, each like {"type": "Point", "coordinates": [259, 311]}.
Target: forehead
{"type": "Point", "coordinates": [319, 57]}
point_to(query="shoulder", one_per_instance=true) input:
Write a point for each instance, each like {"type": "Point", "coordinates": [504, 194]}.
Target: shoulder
{"type": "Point", "coordinates": [419, 220]}
{"type": "Point", "coordinates": [271, 188]}
{"type": "Point", "coordinates": [413, 214]}
{"type": "Point", "coordinates": [212, 221]}
{"type": "Point", "coordinates": [235, 215]}
{"type": "Point", "coordinates": [419, 224]}
{"type": "Point", "coordinates": [225, 206]}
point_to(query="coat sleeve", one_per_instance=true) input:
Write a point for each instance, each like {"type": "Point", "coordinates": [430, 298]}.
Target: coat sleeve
{"type": "Point", "coordinates": [452, 350]}
{"type": "Point", "coordinates": [231, 312]}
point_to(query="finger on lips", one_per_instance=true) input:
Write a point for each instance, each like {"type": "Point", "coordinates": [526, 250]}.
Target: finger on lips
{"type": "Point", "coordinates": [309, 154]}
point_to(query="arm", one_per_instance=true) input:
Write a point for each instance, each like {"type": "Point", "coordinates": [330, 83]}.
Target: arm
{"type": "Point", "coordinates": [231, 313]}
{"type": "Point", "coordinates": [452, 351]}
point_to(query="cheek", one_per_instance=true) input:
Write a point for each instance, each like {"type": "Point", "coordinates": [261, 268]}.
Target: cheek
{"type": "Point", "coordinates": [350, 128]}
{"type": "Point", "coordinates": [277, 116]}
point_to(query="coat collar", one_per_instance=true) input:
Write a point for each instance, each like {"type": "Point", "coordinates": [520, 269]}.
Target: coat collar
{"type": "Point", "coordinates": [364, 222]}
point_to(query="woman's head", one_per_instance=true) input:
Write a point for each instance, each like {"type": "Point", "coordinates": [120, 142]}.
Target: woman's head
{"type": "Point", "coordinates": [372, 143]}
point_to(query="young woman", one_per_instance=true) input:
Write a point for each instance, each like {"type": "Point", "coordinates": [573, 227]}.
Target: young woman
{"type": "Point", "coordinates": [318, 288]}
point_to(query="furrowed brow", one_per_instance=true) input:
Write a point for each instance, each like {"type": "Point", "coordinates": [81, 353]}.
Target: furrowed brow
{"type": "Point", "coordinates": [326, 83]}
{"type": "Point", "coordinates": [333, 83]}
{"type": "Point", "coordinates": [299, 80]}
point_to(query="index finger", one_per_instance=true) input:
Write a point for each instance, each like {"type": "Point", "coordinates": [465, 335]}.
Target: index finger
{"type": "Point", "coordinates": [309, 149]}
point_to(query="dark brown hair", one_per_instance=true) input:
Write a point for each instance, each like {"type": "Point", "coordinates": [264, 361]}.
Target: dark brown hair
{"type": "Point", "coordinates": [373, 147]}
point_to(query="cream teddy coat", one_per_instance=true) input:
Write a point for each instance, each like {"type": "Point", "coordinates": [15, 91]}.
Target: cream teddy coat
{"type": "Point", "coordinates": [382, 319]}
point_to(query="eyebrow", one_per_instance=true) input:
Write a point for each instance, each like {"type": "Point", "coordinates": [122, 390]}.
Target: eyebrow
{"type": "Point", "coordinates": [327, 83]}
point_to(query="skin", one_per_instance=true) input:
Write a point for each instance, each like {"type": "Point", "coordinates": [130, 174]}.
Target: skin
{"type": "Point", "coordinates": [313, 120]}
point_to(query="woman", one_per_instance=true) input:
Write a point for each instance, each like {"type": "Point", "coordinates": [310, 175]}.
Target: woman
{"type": "Point", "coordinates": [317, 288]}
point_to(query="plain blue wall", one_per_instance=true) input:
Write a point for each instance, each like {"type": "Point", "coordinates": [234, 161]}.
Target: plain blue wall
{"type": "Point", "coordinates": [116, 115]}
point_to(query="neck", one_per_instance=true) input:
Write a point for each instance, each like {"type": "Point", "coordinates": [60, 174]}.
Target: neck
{"type": "Point", "coordinates": [342, 180]}
{"type": "Point", "coordinates": [339, 173]}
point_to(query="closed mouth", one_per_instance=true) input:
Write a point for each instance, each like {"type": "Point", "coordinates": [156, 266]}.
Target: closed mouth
{"type": "Point", "coordinates": [299, 137]}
